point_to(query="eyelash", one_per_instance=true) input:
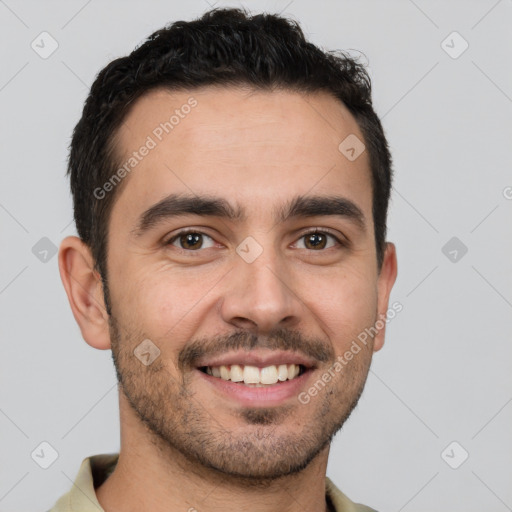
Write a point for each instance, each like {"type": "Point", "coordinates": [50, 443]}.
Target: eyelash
{"type": "Point", "coordinates": [322, 231]}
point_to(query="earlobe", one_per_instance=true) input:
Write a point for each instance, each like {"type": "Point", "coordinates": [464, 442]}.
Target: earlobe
{"type": "Point", "coordinates": [85, 291]}
{"type": "Point", "coordinates": [385, 282]}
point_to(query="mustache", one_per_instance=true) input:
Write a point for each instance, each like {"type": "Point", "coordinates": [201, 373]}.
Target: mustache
{"type": "Point", "coordinates": [281, 339]}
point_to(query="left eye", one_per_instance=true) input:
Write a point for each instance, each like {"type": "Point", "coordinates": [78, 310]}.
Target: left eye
{"type": "Point", "coordinates": [318, 240]}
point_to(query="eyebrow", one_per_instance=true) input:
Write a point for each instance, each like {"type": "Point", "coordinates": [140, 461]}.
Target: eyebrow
{"type": "Point", "coordinates": [176, 205]}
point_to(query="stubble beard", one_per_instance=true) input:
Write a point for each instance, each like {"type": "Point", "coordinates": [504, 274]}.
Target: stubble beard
{"type": "Point", "coordinates": [260, 451]}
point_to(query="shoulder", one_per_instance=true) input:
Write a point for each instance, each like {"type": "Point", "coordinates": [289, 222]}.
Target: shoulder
{"type": "Point", "coordinates": [81, 497]}
{"type": "Point", "coordinates": [341, 502]}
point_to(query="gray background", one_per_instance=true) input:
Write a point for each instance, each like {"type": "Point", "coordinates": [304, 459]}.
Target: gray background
{"type": "Point", "coordinates": [444, 372]}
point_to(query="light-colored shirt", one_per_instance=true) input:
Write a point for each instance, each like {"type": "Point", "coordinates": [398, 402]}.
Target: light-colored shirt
{"type": "Point", "coordinates": [97, 468]}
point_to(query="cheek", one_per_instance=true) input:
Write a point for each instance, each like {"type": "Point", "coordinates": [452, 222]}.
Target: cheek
{"type": "Point", "coordinates": [345, 302]}
{"type": "Point", "coordinates": [145, 301]}
{"type": "Point", "coordinates": [157, 306]}
{"type": "Point", "coordinates": [165, 304]}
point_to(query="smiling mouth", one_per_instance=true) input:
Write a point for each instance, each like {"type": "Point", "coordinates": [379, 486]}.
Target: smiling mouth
{"type": "Point", "coordinates": [255, 376]}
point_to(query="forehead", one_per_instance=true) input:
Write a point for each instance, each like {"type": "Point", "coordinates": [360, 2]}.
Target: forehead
{"type": "Point", "coordinates": [255, 148]}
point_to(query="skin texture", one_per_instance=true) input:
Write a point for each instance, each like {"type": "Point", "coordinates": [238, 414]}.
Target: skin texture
{"type": "Point", "coordinates": [184, 444]}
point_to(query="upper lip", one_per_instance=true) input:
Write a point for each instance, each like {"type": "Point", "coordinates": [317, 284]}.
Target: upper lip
{"type": "Point", "coordinates": [258, 358]}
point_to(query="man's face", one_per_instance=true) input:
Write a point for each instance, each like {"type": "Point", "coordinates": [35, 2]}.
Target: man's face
{"type": "Point", "coordinates": [241, 293]}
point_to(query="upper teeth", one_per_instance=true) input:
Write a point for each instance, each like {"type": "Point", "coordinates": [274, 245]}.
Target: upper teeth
{"type": "Point", "coordinates": [253, 374]}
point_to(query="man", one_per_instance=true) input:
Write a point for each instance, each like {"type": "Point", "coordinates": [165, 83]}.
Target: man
{"type": "Point", "coordinates": [230, 184]}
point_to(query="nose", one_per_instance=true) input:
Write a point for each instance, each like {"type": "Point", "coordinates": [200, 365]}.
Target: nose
{"type": "Point", "coordinates": [260, 296]}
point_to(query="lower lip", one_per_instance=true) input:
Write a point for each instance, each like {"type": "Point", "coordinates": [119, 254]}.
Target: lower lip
{"type": "Point", "coordinates": [268, 396]}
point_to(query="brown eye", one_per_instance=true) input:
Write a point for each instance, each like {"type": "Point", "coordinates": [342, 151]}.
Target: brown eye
{"type": "Point", "coordinates": [315, 240]}
{"type": "Point", "coordinates": [318, 240]}
{"type": "Point", "coordinates": [189, 240]}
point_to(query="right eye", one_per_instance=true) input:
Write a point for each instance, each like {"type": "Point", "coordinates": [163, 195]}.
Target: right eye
{"type": "Point", "coordinates": [189, 240]}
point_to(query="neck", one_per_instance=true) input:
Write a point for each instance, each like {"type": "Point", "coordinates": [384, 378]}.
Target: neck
{"type": "Point", "coordinates": [151, 476]}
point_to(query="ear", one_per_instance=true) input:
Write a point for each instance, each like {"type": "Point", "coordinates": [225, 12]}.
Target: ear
{"type": "Point", "coordinates": [85, 291]}
{"type": "Point", "coordinates": [385, 282]}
